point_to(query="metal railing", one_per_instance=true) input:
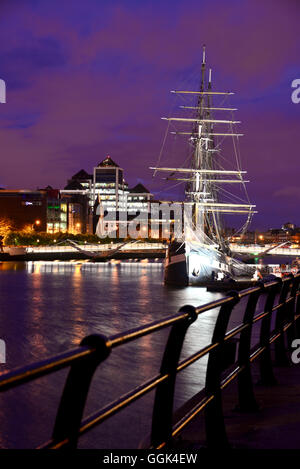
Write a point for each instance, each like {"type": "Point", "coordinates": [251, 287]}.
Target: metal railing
{"type": "Point", "coordinates": [256, 248]}
{"type": "Point", "coordinates": [229, 358]}
{"type": "Point", "coordinates": [96, 247]}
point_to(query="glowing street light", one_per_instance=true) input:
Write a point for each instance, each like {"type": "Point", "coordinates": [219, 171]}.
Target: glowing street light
{"type": "Point", "coordinates": [36, 224]}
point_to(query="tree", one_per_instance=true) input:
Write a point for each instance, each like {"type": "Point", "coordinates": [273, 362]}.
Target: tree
{"type": "Point", "coordinates": [5, 227]}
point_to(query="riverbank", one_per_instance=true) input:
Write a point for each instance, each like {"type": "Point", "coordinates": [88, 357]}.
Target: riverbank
{"type": "Point", "coordinates": [67, 256]}
{"type": "Point", "coordinates": [66, 253]}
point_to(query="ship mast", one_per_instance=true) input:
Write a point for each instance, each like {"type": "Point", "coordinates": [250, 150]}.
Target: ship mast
{"type": "Point", "coordinates": [198, 154]}
{"type": "Point", "coordinates": [205, 178]}
{"type": "Point", "coordinates": [197, 188]}
{"type": "Point", "coordinates": [204, 190]}
{"type": "Point", "coordinates": [215, 219]}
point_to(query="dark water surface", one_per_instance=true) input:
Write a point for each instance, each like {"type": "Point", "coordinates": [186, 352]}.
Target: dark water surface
{"type": "Point", "coordinates": [47, 308]}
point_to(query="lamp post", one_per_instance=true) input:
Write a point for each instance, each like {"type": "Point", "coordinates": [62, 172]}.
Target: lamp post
{"type": "Point", "coordinates": [36, 225]}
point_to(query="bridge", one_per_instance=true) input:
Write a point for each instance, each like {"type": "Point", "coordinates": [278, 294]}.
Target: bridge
{"type": "Point", "coordinates": [234, 359]}
{"type": "Point", "coordinates": [256, 249]}
{"type": "Point", "coordinates": [66, 251]}
{"type": "Point", "coordinates": [140, 247]}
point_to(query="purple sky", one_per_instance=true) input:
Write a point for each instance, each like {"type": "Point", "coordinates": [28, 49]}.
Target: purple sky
{"type": "Point", "coordinates": [87, 79]}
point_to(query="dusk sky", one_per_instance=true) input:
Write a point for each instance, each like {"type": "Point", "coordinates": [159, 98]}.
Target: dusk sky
{"type": "Point", "coordinates": [88, 79]}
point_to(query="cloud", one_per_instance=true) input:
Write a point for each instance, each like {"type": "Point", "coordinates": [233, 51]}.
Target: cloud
{"type": "Point", "coordinates": [289, 191]}
{"type": "Point", "coordinates": [94, 79]}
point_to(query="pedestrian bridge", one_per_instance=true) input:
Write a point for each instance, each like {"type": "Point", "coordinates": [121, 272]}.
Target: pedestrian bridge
{"type": "Point", "coordinates": [257, 249]}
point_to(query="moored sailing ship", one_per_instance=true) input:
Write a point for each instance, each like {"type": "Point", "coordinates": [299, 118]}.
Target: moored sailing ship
{"type": "Point", "coordinates": [201, 254]}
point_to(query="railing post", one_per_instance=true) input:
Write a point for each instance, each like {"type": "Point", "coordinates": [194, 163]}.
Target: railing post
{"type": "Point", "coordinates": [247, 401]}
{"type": "Point", "coordinates": [292, 332]}
{"type": "Point", "coordinates": [297, 309]}
{"type": "Point", "coordinates": [164, 396]}
{"type": "Point", "coordinates": [265, 361]}
{"type": "Point", "coordinates": [281, 358]}
{"type": "Point", "coordinates": [71, 407]}
{"type": "Point", "coordinates": [214, 418]}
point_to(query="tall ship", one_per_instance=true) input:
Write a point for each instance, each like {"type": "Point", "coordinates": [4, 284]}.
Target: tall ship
{"type": "Point", "coordinates": [214, 184]}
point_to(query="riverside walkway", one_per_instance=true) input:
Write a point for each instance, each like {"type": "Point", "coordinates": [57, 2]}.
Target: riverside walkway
{"type": "Point", "coordinates": [251, 397]}
{"type": "Point", "coordinates": [275, 424]}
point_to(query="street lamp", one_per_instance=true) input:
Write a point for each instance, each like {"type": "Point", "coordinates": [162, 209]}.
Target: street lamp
{"type": "Point", "coordinates": [36, 224]}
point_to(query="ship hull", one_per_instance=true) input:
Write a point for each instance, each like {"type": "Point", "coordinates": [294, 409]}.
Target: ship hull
{"type": "Point", "coordinates": [176, 272]}
{"type": "Point", "coordinates": [187, 266]}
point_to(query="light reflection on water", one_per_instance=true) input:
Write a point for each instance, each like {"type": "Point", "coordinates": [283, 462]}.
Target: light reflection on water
{"type": "Point", "coordinates": [48, 307]}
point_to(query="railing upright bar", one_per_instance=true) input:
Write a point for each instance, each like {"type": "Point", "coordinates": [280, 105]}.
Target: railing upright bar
{"type": "Point", "coordinates": [247, 401]}
{"type": "Point", "coordinates": [164, 397]}
{"type": "Point", "coordinates": [291, 313]}
{"type": "Point", "coordinates": [72, 403]}
{"type": "Point", "coordinates": [297, 312]}
{"type": "Point", "coordinates": [281, 358]}
{"type": "Point", "coordinates": [214, 419]}
{"type": "Point", "coordinates": [265, 361]}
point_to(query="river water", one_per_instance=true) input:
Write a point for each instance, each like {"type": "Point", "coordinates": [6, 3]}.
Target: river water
{"type": "Point", "coordinates": [48, 307]}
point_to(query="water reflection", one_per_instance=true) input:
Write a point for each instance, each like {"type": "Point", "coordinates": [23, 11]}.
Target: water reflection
{"type": "Point", "coordinates": [58, 303]}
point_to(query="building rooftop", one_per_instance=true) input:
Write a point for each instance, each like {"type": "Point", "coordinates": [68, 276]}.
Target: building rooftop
{"type": "Point", "coordinates": [139, 189]}
{"type": "Point", "coordinates": [108, 162]}
{"type": "Point", "coordinates": [21, 191]}
{"type": "Point", "coordinates": [82, 175]}
{"type": "Point", "coordinates": [74, 186]}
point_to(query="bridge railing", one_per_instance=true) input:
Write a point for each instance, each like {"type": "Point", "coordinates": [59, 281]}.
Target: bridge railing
{"type": "Point", "coordinates": [96, 247]}
{"type": "Point", "coordinates": [230, 355]}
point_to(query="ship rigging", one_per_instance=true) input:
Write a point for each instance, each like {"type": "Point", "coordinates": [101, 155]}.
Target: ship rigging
{"type": "Point", "coordinates": [203, 249]}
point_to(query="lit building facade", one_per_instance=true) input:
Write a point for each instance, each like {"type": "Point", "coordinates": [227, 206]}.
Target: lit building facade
{"type": "Point", "coordinates": [57, 216]}
{"type": "Point", "coordinates": [78, 211]}
{"type": "Point", "coordinates": [138, 198]}
{"type": "Point", "coordinates": [106, 186]}
{"type": "Point", "coordinates": [109, 185]}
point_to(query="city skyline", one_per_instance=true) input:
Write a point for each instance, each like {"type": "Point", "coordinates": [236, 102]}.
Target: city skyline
{"type": "Point", "coordinates": [95, 80]}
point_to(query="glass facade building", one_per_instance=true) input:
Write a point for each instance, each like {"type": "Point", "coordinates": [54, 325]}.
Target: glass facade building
{"type": "Point", "coordinates": [107, 186]}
